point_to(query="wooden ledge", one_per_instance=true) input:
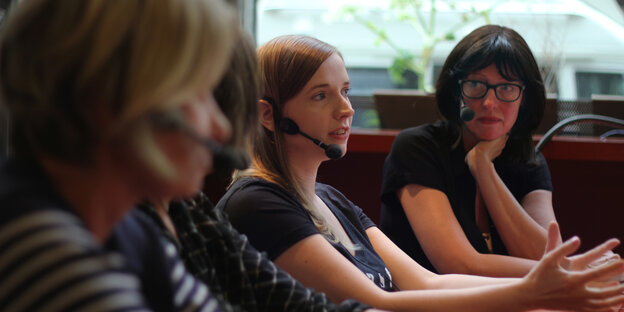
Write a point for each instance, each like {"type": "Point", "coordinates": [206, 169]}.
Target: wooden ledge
{"type": "Point", "coordinates": [379, 141]}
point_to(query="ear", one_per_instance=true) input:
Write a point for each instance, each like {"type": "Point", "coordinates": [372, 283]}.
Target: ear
{"type": "Point", "coordinates": [265, 109]}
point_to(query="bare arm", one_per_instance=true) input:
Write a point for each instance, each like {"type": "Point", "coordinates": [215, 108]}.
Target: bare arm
{"type": "Point", "coordinates": [408, 274]}
{"type": "Point", "coordinates": [443, 240]}
{"type": "Point", "coordinates": [522, 227]}
{"type": "Point", "coordinates": [317, 264]}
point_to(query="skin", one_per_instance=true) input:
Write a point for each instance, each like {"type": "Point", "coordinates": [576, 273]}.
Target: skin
{"type": "Point", "coordinates": [111, 183]}
{"type": "Point", "coordinates": [521, 225]}
{"type": "Point", "coordinates": [319, 111]}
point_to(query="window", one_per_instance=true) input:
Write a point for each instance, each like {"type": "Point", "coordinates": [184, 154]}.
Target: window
{"type": "Point", "coordinates": [588, 83]}
{"type": "Point", "coordinates": [564, 35]}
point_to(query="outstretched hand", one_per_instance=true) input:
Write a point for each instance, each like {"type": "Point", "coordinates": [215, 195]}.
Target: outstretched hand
{"type": "Point", "coordinates": [596, 256]}
{"type": "Point", "coordinates": [556, 285]}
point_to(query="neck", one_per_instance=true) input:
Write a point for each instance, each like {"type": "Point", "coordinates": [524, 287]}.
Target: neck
{"type": "Point", "coordinates": [162, 209]}
{"type": "Point", "coordinates": [95, 191]}
{"type": "Point", "coordinates": [305, 170]}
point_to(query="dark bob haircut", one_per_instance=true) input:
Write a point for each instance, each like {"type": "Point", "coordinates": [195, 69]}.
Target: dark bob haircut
{"type": "Point", "coordinates": [504, 47]}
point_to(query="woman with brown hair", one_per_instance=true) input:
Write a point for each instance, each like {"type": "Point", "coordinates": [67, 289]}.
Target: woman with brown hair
{"type": "Point", "coordinates": [316, 234]}
{"type": "Point", "coordinates": [470, 194]}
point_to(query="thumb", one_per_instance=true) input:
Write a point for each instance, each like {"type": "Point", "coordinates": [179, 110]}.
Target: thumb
{"type": "Point", "coordinates": [553, 237]}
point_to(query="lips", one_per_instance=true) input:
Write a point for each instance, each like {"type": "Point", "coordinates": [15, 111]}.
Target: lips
{"type": "Point", "coordinates": [488, 120]}
{"type": "Point", "coordinates": [340, 133]}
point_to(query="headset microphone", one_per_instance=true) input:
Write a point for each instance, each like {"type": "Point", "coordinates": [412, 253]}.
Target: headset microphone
{"type": "Point", "coordinates": [288, 126]}
{"type": "Point", "coordinates": [225, 158]}
{"type": "Point", "coordinates": [465, 113]}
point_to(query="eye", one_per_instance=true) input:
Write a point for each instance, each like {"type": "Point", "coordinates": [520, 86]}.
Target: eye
{"type": "Point", "coordinates": [506, 87]}
{"type": "Point", "coordinates": [345, 91]}
{"type": "Point", "coordinates": [319, 96]}
{"type": "Point", "coordinates": [474, 83]}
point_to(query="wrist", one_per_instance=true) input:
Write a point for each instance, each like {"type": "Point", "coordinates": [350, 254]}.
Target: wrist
{"type": "Point", "coordinates": [523, 292]}
{"type": "Point", "coordinates": [479, 163]}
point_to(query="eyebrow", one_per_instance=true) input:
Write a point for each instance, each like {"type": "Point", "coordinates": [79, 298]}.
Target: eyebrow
{"type": "Point", "coordinates": [483, 79]}
{"type": "Point", "coordinates": [322, 85]}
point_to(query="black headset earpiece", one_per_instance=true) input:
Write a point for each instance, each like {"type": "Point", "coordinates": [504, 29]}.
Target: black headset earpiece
{"type": "Point", "coordinates": [288, 126]}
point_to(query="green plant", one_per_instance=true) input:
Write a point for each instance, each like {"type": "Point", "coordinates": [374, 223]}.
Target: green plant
{"type": "Point", "coordinates": [412, 12]}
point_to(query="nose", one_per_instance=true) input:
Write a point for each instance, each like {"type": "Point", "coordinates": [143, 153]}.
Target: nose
{"type": "Point", "coordinates": [490, 99]}
{"type": "Point", "coordinates": [345, 110]}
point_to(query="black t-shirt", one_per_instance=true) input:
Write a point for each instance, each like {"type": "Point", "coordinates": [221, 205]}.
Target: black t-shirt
{"type": "Point", "coordinates": [430, 155]}
{"type": "Point", "coordinates": [274, 221]}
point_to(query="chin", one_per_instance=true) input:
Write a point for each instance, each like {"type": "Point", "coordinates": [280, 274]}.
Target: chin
{"type": "Point", "coordinates": [191, 189]}
{"type": "Point", "coordinates": [490, 135]}
{"type": "Point", "coordinates": [182, 188]}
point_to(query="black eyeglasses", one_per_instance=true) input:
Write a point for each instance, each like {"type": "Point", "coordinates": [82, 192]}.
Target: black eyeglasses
{"type": "Point", "coordinates": [506, 92]}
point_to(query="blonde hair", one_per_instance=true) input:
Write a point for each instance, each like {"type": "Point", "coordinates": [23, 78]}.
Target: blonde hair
{"type": "Point", "coordinates": [287, 63]}
{"type": "Point", "coordinates": [123, 59]}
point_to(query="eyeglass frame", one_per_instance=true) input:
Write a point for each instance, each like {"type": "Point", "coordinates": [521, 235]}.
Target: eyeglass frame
{"type": "Point", "coordinates": [488, 87]}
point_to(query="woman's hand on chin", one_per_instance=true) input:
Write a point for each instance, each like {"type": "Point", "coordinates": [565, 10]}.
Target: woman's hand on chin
{"type": "Point", "coordinates": [485, 151]}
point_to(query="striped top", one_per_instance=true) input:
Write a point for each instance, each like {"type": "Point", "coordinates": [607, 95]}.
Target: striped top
{"type": "Point", "coordinates": [49, 261]}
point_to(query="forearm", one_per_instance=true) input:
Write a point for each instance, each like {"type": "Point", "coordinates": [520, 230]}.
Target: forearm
{"type": "Point", "coordinates": [275, 290]}
{"type": "Point", "coordinates": [507, 297]}
{"type": "Point", "coordinates": [523, 236]}
{"type": "Point", "coordinates": [491, 265]}
{"type": "Point", "coordinates": [458, 281]}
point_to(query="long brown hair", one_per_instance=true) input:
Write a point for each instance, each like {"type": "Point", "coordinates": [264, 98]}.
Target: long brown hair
{"type": "Point", "coordinates": [287, 63]}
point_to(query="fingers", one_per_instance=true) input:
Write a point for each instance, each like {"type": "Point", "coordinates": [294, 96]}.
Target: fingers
{"type": "Point", "coordinates": [597, 253]}
{"type": "Point", "coordinates": [607, 299]}
{"type": "Point", "coordinates": [606, 257]}
{"type": "Point", "coordinates": [601, 272]}
{"type": "Point", "coordinates": [602, 298]}
{"type": "Point", "coordinates": [565, 249]}
{"type": "Point", "coordinates": [602, 284]}
{"type": "Point", "coordinates": [553, 236]}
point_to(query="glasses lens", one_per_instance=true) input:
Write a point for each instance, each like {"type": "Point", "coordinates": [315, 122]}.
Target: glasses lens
{"type": "Point", "coordinates": [473, 89]}
{"type": "Point", "coordinates": [507, 92]}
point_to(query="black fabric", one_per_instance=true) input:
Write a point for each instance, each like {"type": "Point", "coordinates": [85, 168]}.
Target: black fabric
{"type": "Point", "coordinates": [138, 239]}
{"type": "Point", "coordinates": [274, 221]}
{"type": "Point", "coordinates": [165, 281]}
{"type": "Point", "coordinates": [218, 255]}
{"type": "Point", "coordinates": [430, 155]}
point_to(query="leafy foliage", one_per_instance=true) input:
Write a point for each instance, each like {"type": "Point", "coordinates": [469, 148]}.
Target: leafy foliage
{"type": "Point", "coordinates": [412, 12]}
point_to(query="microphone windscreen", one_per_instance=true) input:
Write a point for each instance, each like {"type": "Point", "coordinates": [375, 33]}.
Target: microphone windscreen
{"type": "Point", "coordinates": [227, 159]}
{"type": "Point", "coordinates": [466, 113]}
{"type": "Point", "coordinates": [333, 151]}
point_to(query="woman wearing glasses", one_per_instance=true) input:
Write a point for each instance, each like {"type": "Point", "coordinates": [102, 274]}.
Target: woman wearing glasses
{"type": "Point", "coordinates": [469, 194]}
